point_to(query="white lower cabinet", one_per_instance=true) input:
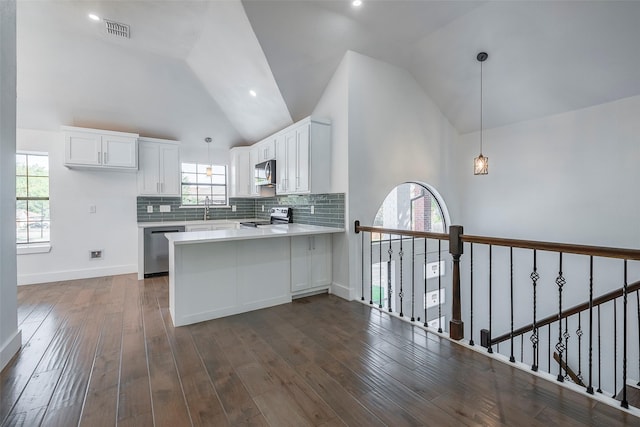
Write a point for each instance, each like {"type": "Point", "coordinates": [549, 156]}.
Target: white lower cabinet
{"type": "Point", "coordinates": [310, 263]}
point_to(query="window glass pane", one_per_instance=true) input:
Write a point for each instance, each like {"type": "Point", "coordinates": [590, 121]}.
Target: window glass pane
{"type": "Point", "coordinates": [217, 200]}
{"type": "Point", "coordinates": [204, 179]}
{"type": "Point", "coordinates": [219, 170]}
{"type": "Point", "coordinates": [188, 199]}
{"type": "Point", "coordinates": [202, 169]}
{"type": "Point", "coordinates": [21, 164]}
{"type": "Point", "coordinates": [38, 165]}
{"type": "Point", "coordinates": [21, 186]}
{"type": "Point", "coordinates": [38, 186]}
{"type": "Point", "coordinates": [189, 167]}
{"type": "Point", "coordinates": [204, 190]}
{"type": "Point", "coordinates": [32, 183]}
{"type": "Point", "coordinates": [189, 190]}
{"type": "Point", "coordinates": [189, 178]}
{"type": "Point", "coordinates": [218, 191]}
{"type": "Point", "coordinates": [218, 179]}
{"type": "Point", "coordinates": [410, 206]}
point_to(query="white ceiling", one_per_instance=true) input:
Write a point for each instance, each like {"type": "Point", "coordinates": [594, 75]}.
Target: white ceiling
{"type": "Point", "coordinates": [186, 71]}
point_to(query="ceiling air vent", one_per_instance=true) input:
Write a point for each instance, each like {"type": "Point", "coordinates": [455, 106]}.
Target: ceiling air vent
{"type": "Point", "coordinates": [117, 29]}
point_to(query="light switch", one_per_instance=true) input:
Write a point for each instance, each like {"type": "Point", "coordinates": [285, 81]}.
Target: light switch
{"type": "Point", "coordinates": [149, 209]}
{"type": "Point", "coordinates": [313, 210]}
{"type": "Point", "coordinates": [92, 208]}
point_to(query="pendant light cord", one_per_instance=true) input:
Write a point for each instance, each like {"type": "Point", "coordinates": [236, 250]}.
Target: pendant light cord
{"type": "Point", "coordinates": [481, 108]}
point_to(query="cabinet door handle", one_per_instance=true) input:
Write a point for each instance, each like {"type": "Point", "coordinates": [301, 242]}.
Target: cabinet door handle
{"type": "Point", "coordinates": [157, 187]}
{"type": "Point", "coordinates": [99, 158]}
{"type": "Point", "coordinates": [309, 241]}
{"type": "Point", "coordinates": [105, 157]}
{"type": "Point", "coordinates": [313, 239]}
{"type": "Point", "coordinates": [162, 187]}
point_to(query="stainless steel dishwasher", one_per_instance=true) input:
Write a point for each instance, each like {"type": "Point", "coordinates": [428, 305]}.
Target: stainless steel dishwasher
{"type": "Point", "coordinates": [156, 249]}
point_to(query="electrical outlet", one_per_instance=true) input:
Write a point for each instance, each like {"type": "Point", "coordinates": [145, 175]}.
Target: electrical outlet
{"type": "Point", "coordinates": [149, 209]}
{"type": "Point", "coordinates": [262, 208]}
{"type": "Point", "coordinates": [165, 208]}
{"type": "Point", "coordinates": [233, 208]}
{"type": "Point", "coordinates": [431, 299]}
{"type": "Point", "coordinates": [435, 270]}
{"type": "Point", "coordinates": [313, 210]}
{"type": "Point", "coordinates": [95, 254]}
{"type": "Point", "coordinates": [92, 208]}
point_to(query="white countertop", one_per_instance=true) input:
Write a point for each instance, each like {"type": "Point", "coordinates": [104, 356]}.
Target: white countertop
{"type": "Point", "coordinates": [200, 222]}
{"type": "Point", "coordinates": [285, 230]}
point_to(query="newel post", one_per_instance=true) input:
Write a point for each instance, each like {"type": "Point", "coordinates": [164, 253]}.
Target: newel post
{"type": "Point", "coordinates": [456, 327]}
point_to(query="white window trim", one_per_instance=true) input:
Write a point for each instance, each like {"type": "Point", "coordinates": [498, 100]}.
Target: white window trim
{"type": "Point", "coordinates": [33, 248]}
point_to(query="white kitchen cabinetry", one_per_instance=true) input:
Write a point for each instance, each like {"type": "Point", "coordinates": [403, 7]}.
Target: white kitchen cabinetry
{"type": "Point", "coordinates": [240, 173]}
{"type": "Point", "coordinates": [254, 159]}
{"type": "Point", "coordinates": [211, 227]}
{"type": "Point", "coordinates": [310, 263]}
{"type": "Point", "coordinates": [303, 157]}
{"type": "Point", "coordinates": [159, 173]}
{"type": "Point", "coordinates": [266, 149]}
{"type": "Point", "coordinates": [101, 149]}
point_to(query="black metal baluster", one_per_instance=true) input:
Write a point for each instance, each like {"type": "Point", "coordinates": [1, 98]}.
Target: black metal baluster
{"type": "Point", "coordinates": [615, 348]}
{"type": "Point", "coordinates": [413, 277]}
{"type": "Point", "coordinates": [380, 272]}
{"type": "Point", "coordinates": [521, 348]}
{"type": "Point", "coordinates": [565, 335]}
{"type": "Point", "coordinates": [590, 386]}
{"type": "Point", "coordinates": [511, 357]}
{"type": "Point", "coordinates": [490, 350]}
{"type": "Point", "coordinates": [579, 334]}
{"type": "Point", "coordinates": [549, 347]}
{"type": "Point", "coordinates": [599, 390]}
{"type": "Point", "coordinates": [534, 335]}
{"type": "Point", "coordinates": [426, 324]}
{"type": "Point", "coordinates": [439, 286]}
{"type": "Point", "coordinates": [390, 251]}
{"type": "Point", "coordinates": [471, 331]}
{"type": "Point", "coordinates": [401, 293]}
{"type": "Point", "coordinates": [362, 271]}
{"type": "Point", "coordinates": [624, 403]}
{"type": "Point", "coordinates": [560, 281]}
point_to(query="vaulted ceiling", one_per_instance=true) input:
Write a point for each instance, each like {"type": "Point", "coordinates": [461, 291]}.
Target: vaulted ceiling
{"type": "Point", "coordinates": [187, 69]}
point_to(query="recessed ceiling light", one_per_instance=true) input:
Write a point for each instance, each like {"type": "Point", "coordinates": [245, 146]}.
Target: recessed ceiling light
{"type": "Point", "coordinates": [253, 93]}
{"type": "Point", "coordinates": [94, 17]}
{"type": "Point", "coordinates": [356, 3]}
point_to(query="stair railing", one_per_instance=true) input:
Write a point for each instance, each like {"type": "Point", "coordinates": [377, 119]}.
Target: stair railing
{"type": "Point", "coordinates": [501, 277]}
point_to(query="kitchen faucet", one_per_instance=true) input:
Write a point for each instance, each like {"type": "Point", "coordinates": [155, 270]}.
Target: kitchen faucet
{"type": "Point", "coordinates": [207, 202]}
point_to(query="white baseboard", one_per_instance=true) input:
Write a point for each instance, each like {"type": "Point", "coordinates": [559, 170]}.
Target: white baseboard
{"type": "Point", "coordinates": [57, 276]}
{"type": "Point", "coordinates": [341, 291]}
{"type": "Point", "coordinates": [10, 348]}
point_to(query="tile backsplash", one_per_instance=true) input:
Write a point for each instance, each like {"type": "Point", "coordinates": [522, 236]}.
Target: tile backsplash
{"type": "Point", "coordinates": [328, 209]}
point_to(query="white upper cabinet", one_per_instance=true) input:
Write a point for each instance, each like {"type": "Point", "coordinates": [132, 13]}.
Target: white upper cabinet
{"type": "Point", "coordinates": [240, 172]}
{"type": "Point", "coordinates": [159, 172]}
{"type": "Point", "coordinates": [303, 158]}
{"type": "Point", "coordinates": [302, 153]}
{"type": "Point", "coordinates": [92, 148]}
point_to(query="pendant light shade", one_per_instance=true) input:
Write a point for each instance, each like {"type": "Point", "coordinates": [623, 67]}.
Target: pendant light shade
{"type": "Point", "coordinates": [208, 141]}
{"type": "Point", "coordinates": [481, 163]}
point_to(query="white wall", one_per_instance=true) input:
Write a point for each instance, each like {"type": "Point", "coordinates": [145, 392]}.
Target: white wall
{"type": "Point", "coordinates": [10, 336]}
{"type": "Point", "coordinates": [395, 134]}
{"type": "Point", "coordinates": [334, 105]}
{"type": "Point", "coordinates": [75, 231]}
{"type": "Point", "coordinates": [570, 178]}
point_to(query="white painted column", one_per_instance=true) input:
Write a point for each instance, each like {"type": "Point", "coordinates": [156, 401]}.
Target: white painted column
{"type": "Point", "coordinates": [10, 336]}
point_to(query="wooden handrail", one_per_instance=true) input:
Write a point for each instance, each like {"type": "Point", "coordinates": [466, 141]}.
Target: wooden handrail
{"type": "Point", "coordinates": [569, 312]}
{"type": "Point", "coordinates": [600, 251]}
{"type": "Point", "coordinates": [423, 234]}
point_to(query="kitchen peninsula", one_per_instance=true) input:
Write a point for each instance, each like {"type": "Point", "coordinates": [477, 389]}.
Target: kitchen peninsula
{"type": "Point", "coordinates": [224, 272]}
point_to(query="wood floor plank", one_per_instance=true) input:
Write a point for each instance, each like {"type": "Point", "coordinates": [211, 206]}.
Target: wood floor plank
{"type": "Point", "coordinates": [104, 351]}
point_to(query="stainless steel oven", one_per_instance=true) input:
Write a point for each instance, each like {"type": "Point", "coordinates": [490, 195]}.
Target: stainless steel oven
{"type": "Point", "coordinates": [277, 215]}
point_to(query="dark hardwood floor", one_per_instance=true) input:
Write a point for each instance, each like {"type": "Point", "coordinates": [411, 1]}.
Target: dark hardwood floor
{"type": "Point", "coordinates": [104, 352]}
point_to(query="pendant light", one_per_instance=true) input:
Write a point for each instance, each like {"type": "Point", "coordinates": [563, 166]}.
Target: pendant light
{"type": "Point", "coordinates": [208, 141]}
{"type": "Point", "coordinates": [481, 163]}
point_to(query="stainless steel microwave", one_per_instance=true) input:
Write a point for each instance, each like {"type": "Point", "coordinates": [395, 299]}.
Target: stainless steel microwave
{"type": "Point", "coordinates": [265, 173]}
